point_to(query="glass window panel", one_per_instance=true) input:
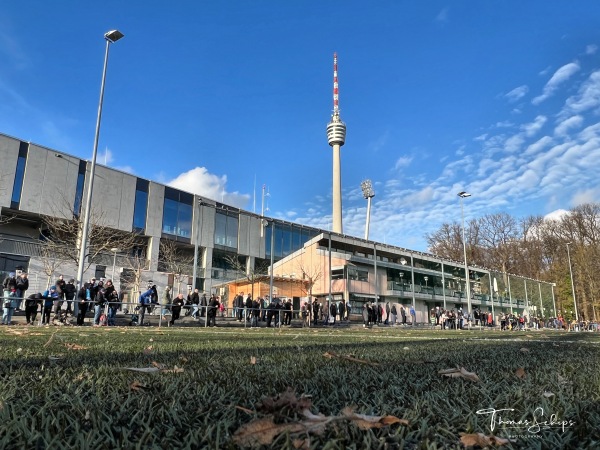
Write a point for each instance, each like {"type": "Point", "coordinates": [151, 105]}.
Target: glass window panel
{"type": "Point", "coordinates": [170, 216]}
{"type": "Point", "coordinates": [140, 209]}
{"type": "Point", "coordinates": [232, 231]}
{"type": "Point", "coordinates": [220, 229]}
{"type": "Point", "coordinates": [18, 186]}
{"type": "Point", "coordinates": [79, 194]}
{"type": "Point", "coordinates": [184, 222]}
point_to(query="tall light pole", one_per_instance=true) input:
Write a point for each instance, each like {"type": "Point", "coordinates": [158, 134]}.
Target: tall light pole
{"type": "Point", "coordinates": [462, 196]}
{"type": "Point", "coordinates": [572, 283]}
{"type": "Point", "coordinates": [111, 36]}
{"type": "Point", "coordinates": [368, 193]}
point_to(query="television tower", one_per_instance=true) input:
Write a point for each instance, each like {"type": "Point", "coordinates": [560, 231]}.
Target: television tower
{"type": "Point", "coordinates": [336, 136]}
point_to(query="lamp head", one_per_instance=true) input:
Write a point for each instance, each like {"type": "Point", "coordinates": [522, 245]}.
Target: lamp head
{"type": "Point", "coordinates": [464, 194]}
{"type": "Point", "coordinates": [113, 36]}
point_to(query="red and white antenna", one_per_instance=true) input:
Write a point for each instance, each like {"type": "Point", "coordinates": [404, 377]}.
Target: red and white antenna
{"type": "Point", "coordinates": [336, 97]}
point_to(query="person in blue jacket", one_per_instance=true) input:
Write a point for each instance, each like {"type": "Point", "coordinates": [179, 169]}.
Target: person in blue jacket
{"type": "Point", "coordinates": [50, 296]}
{"type": "Point", "coordinates": [145, 301]}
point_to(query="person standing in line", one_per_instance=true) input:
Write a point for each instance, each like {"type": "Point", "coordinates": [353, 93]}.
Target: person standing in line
{"type": "Point", "coordinates": [31, 307]}
{"type": "Point", "coordinates": [203, 305]}
{"type": "Point", "coordinates": [50, 296]}
{"type": "Point", "coordinates": [22, 286]}
{"type": "Point", "coordinates": [60, 290]}
{"type": "Point", "coordinates": [112, 298]}
{"type": "Point", "coordinates": [332, 312]}
{"type": "Point", "coordinates": [413, 315]}
{"type": "Point", "coordinates": [315, 311]}
{"type": "Point", "coordinates": [304, 312]}
{"type": "Point", "coordinates": [238, 303]}
{"type": "Point", "coordinates": [195, 302]}
{"type": "Point", "coordinates": [387, 313]}
{"type": "Point", "coordinates": [403, 314]}
{"type": "Point", "coordinates": [176, 308]}
{"type": "Point", "coordinates": [165, 302]}
{"type": "Point", "coordinates": [144, 301]}
{"type": "Point", "coordinates": [70, 291]}
{"type": "Point", "coordinates": [211, 314]}
{"type": "Point", "coordinates": [342, 310]}
{"type": "Point", "coordinates": [10, 289]}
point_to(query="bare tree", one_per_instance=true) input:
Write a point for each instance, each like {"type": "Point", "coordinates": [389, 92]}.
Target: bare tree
{"type": "Point", "coordinates": [310, 276]}
{"type": "Point", "coordinates": [253, 274]}
{"type": "Point", "coordinates": [61, 238]}
{"type": "Point", "coordinates": [175, 260]}
{"type": "Point", "coordinates": [135, 264]}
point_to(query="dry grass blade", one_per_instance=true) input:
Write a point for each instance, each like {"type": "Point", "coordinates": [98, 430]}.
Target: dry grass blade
{"type": "Point", "coordinates": [50, 340]}
{"type": "Point", "coordinates": [246, 410]}
{"type": "Point", "coordinates": [75, 347]}
{"type": "Point", "coordinates": [143, 369]}
{"type": "Point", "coordinates": [365, 422]}
{"type": "Point", "coordinates": [350, 358]}
{"type": "Point", "coordinates": [175, 369]}
{"type": "Point", "coordinates": [138, 387]}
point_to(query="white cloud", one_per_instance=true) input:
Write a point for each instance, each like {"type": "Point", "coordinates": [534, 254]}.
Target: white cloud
{"type": "Point", "coordinates": [533, 127]}
{"type": "Point", "coordinates": [559, 77]}
{"type": "Point", "coordinates": [403, 161]}
{"type": "Point", "coordinates": [588, 96]}
{"type": "Point", "coordinates": [199, 181]}
{"type": "Point", "coordinates": [480, 137]}
{"type": "Point", "coordinates": [585, 196]}
{"type": "Point", "coordinates": [556, 214]}
{"type": "Point", "coordinates": [517, 93]}
{"type": "Point", "coordinates": [591, 49]}
{"type": "Point", "coordinates": [442, 15]}
{"type": "Point", "coordinates": [566, 125]}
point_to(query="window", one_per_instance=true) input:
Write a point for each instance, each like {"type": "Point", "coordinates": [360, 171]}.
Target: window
{"type": "Point", "coordinates": [100, 272]}
{"type": "Point", "coordinates": [226, 230]}
{"type": "Point", "coordinates": [19, 175]}
{"type": "Point", "coordinates": [288, 239]}
{"type": "Point", "coordinates": [141, 205]}
{"type": "Point", "coordinates": [177, 213]}
{"type": "Point", "coordinates": [79, 189]}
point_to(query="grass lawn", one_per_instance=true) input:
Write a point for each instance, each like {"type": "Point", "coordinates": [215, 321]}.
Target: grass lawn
{"type": "Point", "coordinates": [351, 388]}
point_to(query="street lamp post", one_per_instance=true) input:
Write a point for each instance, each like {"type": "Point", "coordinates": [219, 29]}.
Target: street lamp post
{"type": "Point", "coordinates": [110, 37]}
{"type": "Point", "coordinates": [462, 196]}
{"type": "Point", "coordinates": [114, 250]}
{"type": "Point", "coordinates": [572, 283]}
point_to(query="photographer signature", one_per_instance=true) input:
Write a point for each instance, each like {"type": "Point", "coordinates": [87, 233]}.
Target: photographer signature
{"type": "Point", "coordinates": [537, 423]}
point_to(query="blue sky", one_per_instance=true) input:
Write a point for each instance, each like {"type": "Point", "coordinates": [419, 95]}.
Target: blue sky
{"type": "Point", "coordinates": [498, 98]}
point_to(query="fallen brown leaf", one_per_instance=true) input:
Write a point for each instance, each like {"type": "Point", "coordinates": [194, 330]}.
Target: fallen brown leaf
{"type": "Point", "coordinates": [520, 373]}
{"type": "Point", "coordinates": [175, 369]}
{"type": "Point", "coordinates": [148, 350]}
{"type": "Point", "coordinates": [263, 431]}
{"type": "Point", "coordinates": [459, 373]}
{"type": "Point", "coordinates": [481, 440]}
{"type": "Point", "coordinates": [548, 394]}
{"type": "Point", "coordinates": [253, 360]}
{"type": "Point", "coordinates": [525, 350]}
{"type": "Point", "coordinates": [285, 400]}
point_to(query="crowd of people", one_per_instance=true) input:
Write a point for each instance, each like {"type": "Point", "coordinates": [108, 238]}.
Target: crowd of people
{"type": "Point", "coordinates": [101, 298]}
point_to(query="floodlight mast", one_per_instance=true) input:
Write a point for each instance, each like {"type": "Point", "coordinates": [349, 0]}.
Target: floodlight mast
{"type": "Point", "coordinates": [462, 196]}
{"type": "Point", "coordinates": [368, 193]}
